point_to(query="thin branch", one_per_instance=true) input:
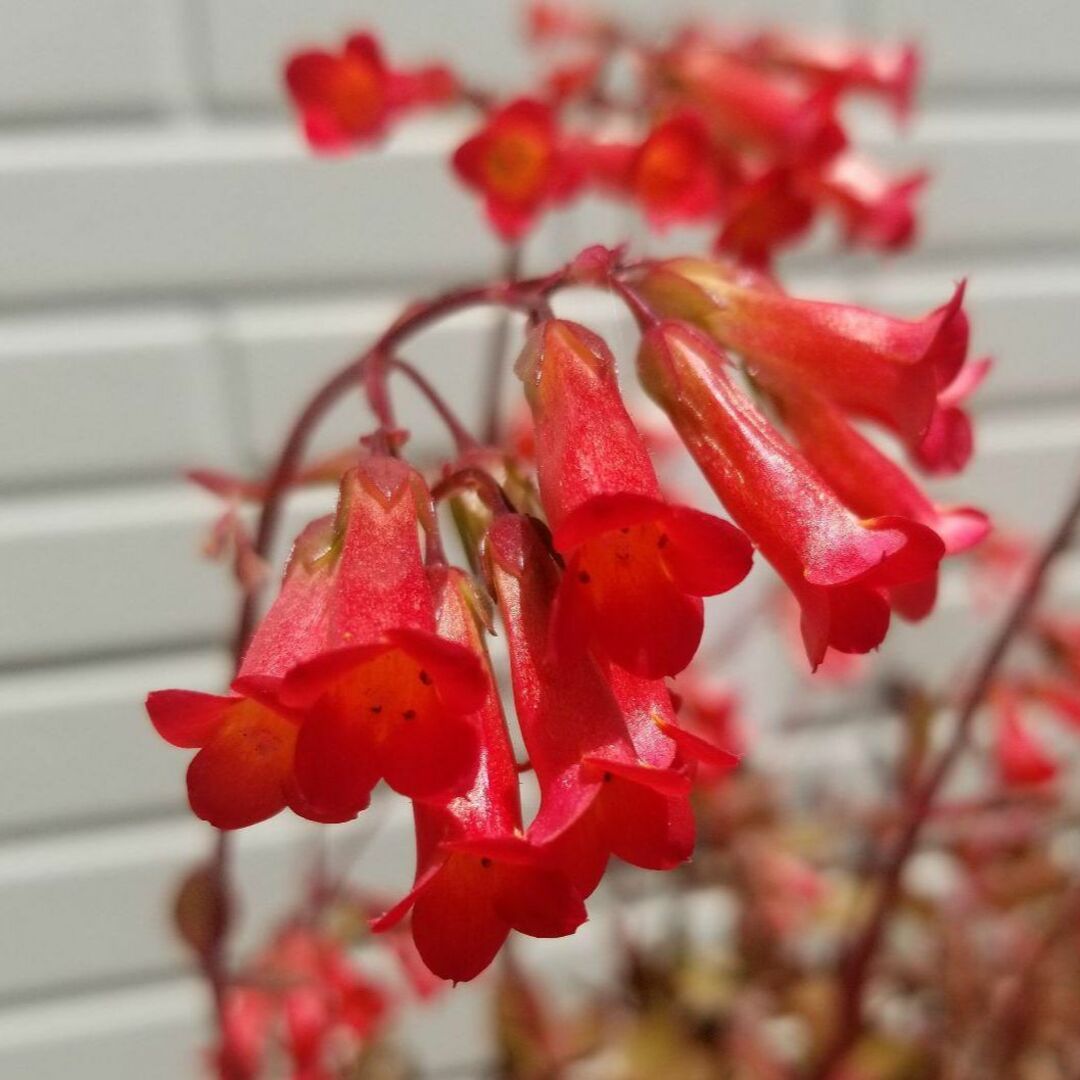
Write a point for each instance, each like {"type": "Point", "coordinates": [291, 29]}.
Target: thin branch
{"type": "Point", "coordinates": [496, 362]}
{"type": "Point", "coordinates": [463, 438]}
{"type": "Point", "coordinates": [858, 961]}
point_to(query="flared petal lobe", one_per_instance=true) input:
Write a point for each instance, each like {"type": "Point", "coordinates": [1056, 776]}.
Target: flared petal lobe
{"type": "Point", "coordinates": [871, 365]}
{"type": "Point", "coordinates": [477, 878]}
{"type": "Point", "coordinates": [600, 794]}
{"type": "Point", "coordinates": [636, 565]}
{"type": "Point", "coordinates": [836, 565]}
{"type": "Point", "coordinates": [517, 164]}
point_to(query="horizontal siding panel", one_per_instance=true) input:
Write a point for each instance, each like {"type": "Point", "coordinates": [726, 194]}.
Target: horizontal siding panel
{"type": "Point", "coordinates": [87, 752]}
{"type": "Point", "coordinates": [285, 352]}
{"type": "Point", "coordinates": [1023, 470]}
{"type": "Point", "coordinates": [94, 908]}
{"type": "Point", "coordinates": [1024, 316]}
{"type": "Point", "coordinates": [160, 1030]}
{"type": "Point", "coordinates": [228, 208]}
{"type": "Point", "coordinates": [64, 59]}
{"type": "Point", "coordinates": [104, 571]}
{"type": "Point", "coordinates": [972, 45]}
{"type": "Point", "coordinates": [87, 396]}
{"type": "Point", "coordinates": [998, 180]}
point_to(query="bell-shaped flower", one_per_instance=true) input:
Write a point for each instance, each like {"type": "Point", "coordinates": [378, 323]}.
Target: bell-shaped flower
{"type": "Point", "coordinates": [872, 365]}
{"type": "Point", "coordinates": [518, 164]}
{"type": "Point", "coordinates": [838, 566]}
{"type": "Point", "coordinates": [949, 441]}
{"type": "Point", "coordinates": [385, 696]}
{"type": "Point", "coordinates": [764, 213]}
{"type": "Point", "coordinates": [875, 207]}
{"type": "Point", "coordinates": [243, 772]}
{"type": "Point", "coordinates": [747, 106]}
{"type": "Point", "coordinates": [1021, 758]}
{"type": "Point", "coordinates": [599, 794]}
{"type": "Point", "coordinates": [347, 99]}
{"type": "Point", "coordinates": [477, 877]}
{"type": "Point", "coordinates": [886, 70]}
{"type": "Point", "coordinates": [636, 566]}
{"type": "Point", "coordinates": [872, 485]}
{"type": "Point", "coordinates": [675, 174]}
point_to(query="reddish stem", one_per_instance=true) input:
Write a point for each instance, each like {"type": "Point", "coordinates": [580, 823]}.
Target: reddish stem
{"type": "Point", "coordinates": [463, 438]}
{"type": "Point", "coordinates": [859, 959]}
{"type": "Point", "coordinates": [477, 480]}
{"type": "Point", "coordinates": [500, 339]}
{"type": "Point", "coordinates": [524, 296]}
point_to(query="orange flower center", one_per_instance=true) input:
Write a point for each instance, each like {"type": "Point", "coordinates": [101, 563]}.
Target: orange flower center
{"type": "Point", "coordinates": [516, 164]}
{"type": "Point", "coordinates": [358, 95]}
{"type": "Point", "coordinates": [663, 169]}
{"type": "Point", "coordinates": [384, 691]}
{"type": "Point", "coordinates": [621, 561]}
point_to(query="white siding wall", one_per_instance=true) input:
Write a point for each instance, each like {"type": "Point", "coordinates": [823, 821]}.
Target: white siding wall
{"type": "Point", "coordinates": [175, 271]}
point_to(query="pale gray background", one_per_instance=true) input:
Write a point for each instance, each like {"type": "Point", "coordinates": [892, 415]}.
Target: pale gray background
{"type": "Point", "coordinates": [175, 270]}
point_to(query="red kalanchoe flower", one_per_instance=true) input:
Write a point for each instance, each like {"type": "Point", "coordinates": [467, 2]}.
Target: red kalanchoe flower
{"type": "Point", "coordinates": [875, 207]}
{"type": "Point", "coordinates": [547, 22]}
{"type": "Point", "coordinates": [949, 441]}
{"type": "Point", "coordinates": [1021, 758]}
{"type": "Point", "coordinates": [345, 98]}
{"type": "Point", "coordinates": [872, 365]}
{"type": "Point", "coordinates": [477, 878]}
{"type": "Point", "coordinates": [872, 485]}
{"type": "Point", "coordinates": [746, 106]}
{"type": "Point", "coordinates": [888, 70]}
{"type": "Point", "coordinates": [599, 793]}
{"type": "Point", "coordinates": [674, 175]}
{"type": "Point", "coordinates": [517, 164]}
{"type": "Point", "coordinates": [243, 772]}
{"type": "Point", "coordinates": [837, 566]}
{"type": "Point", "coordinates": [764, 214]}
{"type": "Point", "coordinates": [246, 1018]}
{"type": "Point", "coordinates": [636, 566]}
{"type": "Point", "coordinates": [385, 696]}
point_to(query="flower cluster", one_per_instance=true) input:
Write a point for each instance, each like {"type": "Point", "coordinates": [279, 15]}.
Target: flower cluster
{"type": "Point", "coordinates": [741, 133]}
{"type": "Point", "coordinates": [371, 664]}
{"type": "Point", "coordinates": [846, 528]}
{"type": "Point", "coordinates": [302, 996]}
{"type": "Point", "coordinates": [1043, 690]}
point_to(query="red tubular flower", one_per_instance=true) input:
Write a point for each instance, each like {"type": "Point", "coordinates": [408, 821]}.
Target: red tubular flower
{"type": "Point", "coordinates": [1020, 757]}
{"type": "Point", "coordinates": [949, 441]}
{"type": "Point", "coordinates": [1060, 695]}
{"type": "Point", "coordinates": [477, 877]}
{"type": "Point", "coordinates": [347, 99]}
{"type": "Point", "coordinates": [746, 106]}
{"type": "Point", "coordinates": [872, 365]}
{"type": "Point", "coordinates": [246, 1018]}
{"type": "Point", "coordinates": [517, 164]}
{"type": "Point", "coordinates": [636, 566]}
{"type": "Point", "coordinates": [764, 214]}
{"type": "Point", "coordinates": [837, 566]}
{"type": "Point", "coordinates": [243, 772]}
{"type": "Point", "coordinates": [890, 71]}
{"type": "Point", "coordinates": [874, 206]}
{"type": "Point", "coordinates": [674, 175]}
{"type": "Point", "coordinates": [599, 793]}
{"type": "Point", "coordinates": [384, 696]}
{"type": "Point", "coordinates": [872, 485]}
